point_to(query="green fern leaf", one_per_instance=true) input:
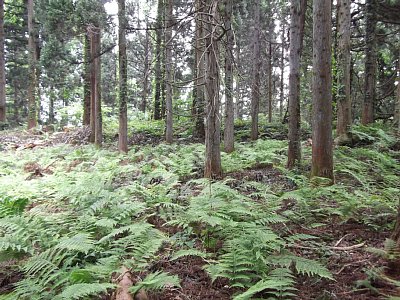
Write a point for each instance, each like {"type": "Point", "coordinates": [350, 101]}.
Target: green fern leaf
{"type": "Point", "coordinates": [156, 281]}
{"type": "Point", "coordinates": [82, 290]}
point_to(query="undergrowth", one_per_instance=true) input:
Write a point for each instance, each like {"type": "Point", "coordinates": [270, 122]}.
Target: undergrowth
{"type": "Point", "coordinates": [73, 228]}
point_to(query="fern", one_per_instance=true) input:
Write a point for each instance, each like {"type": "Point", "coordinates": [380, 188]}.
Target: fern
{"type": "Point", "coordinates": [189, 252]}
{"type": "Point", "coordinates": [156, 281]}
{"type": "Point", "coordinates": [82, 290]}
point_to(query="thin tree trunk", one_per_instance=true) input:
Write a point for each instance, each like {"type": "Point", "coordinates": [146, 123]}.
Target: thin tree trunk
{"type": "Point", "coordinates": [229, 112]}
{"type": "Point", "coordinates": [213, 168]}
{"type": "Point", "coordinates": [199, 130]}
{"type": "Point", "coordinates": [239, 102]}
{"type": "Point", "coordinates": [269, 79]}
{"type": "Point", "coordinates": [282, 92]}
{"type": "Point", "coordinates": [147, 47]}
{"type": "Point", "coordinates": [32, 105]}
{"type": "Point", "coordinates": [86, 81]}
{"type": "Point", "coordinates": [298, 12]}
{"type": "Point", "coordinates": [158, 74]}
{"type": "Point", "coordinates": [123, 77]}
{"type": "Point", "coordinates": [397, 105]}
{"type": "Point", "coordinates": [255, 88]}
{"type": "Point", "coordinates": [51, 105]}
{"type": "Point", "coordinates": [2, 66]}
{"type": "Point", "coordinates": [16, 103]}
{"type": "Point", "coordinates": [344, 119]}
{"type": "Point", "coordinates": [367, 116]}
{"type": "Point", "coordinates": [98, 122]}
{"type": "Point", "coordinates": [322, 150]}
{"type": "Point", "coordinates": [168, 72]}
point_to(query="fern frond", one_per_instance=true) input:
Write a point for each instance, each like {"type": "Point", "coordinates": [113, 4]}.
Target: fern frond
{"type": "Point", "coordinates": [156, 281]}
{"type": "Point", "coordinates": [81, 242]}
{"type": "Point", "coordinates": [189, 252]}
{"type": "Point", "coordinates": [82, 290]}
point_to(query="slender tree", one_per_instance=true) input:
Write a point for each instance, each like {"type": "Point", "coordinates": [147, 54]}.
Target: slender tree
{"type": "Point", "coordinates": [146, 75]}
{"type": "Point", "coordinates": [122, 59]}
{"type": "Point", "coordinates": [344, 119]}
{"type": "Point", "coordinates": [255, 87]}
{"type": "Point", "coordinates": [168, 73]}
{"type": "Point", "coordinates": [32, 105]}
{"type": "Point", "coordinates": [213, 168]}
{"type": "Point", "coordinates": [229, 109]}
{"type": "Point", "coordinates": [269, 76]}
{"type": "Point", "coordinates": [86, 81]}
{"type": "Point", "coordinates": [95, 86]}
{"type": "Point", "coordinates": [158, 54]}
{"type": "Point", "coordinates": [397, 105]}
{"type": "Point", "coordinates": [2, 66]}
{"type": "Point", "coordinates": [367, 116]}
{"type": "Point", "coordinates": [322, 144]}
{"type": "Point", "coordinates": [298, 12]}
{"type": "Point", "coordinates": [198, 92]}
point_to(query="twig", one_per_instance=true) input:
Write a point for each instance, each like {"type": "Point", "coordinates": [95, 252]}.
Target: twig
{"type": "Point", "coordinates": [341, 240]}
{"type": "Point", "coordinates": [348, 247]}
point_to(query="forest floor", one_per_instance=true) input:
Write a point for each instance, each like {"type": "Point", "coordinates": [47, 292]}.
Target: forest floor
{"type": "Point", "coordinates": [55, 185]}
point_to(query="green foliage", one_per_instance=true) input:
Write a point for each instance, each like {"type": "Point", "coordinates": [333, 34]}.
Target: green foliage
{"type": "Point", "coordinates": [156, 281]}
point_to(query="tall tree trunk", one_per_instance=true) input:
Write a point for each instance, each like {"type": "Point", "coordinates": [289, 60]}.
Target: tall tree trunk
{"type": "Point", "coordinates": [282, 91]}
{"type": "Point", "coordinates": [322, 144]}
{"type": "Point", "coordinates": [158, 74]}
{"type": "Point", "coordinates": [344, 119]}
{"type": "Point", "coordinates": [2, 66]}
{"type": "Point", "coordinates": [255, 88]}
{"type": "Point", "coordinates": [397, 108]}
{"type": "Point", "coordinates": [213, 168]}
{"type": "Point", "coordinates": [16, 103]}
{"type": "Point", "coordinates": [32, 105]}
{"type": "Point", "coordinates": [96, 136]}
{"type": "Point", "coordinates": [168, 72]}
{"type": "Point", "coordinates": [199, 106]}
{"type": "Point", "coordinates": [239, 102]}
{"type": "Point", "coordinates": [145, 91]}
{"type": "Point", "coordinates": [123, 77]}
{"type": "Point", "coordinates": [367, 116]}
{"type": "Point", "coordinates": [229, 112]}
{"type": "Point", "coordinates": [298, 12]}
{"type": "Point", "coordinates": [86, 81]}
{"type": "Point", "coordinates": [269, 78]}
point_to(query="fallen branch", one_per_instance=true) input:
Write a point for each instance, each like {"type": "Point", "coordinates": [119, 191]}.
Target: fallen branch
{"type": "Point", "coordinates": [348, 247]}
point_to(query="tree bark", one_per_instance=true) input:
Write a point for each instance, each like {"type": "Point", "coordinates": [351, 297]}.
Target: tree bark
{"type": "Point", "coordinates": [86, 81]}
{"type": "Point", "coordinates": [96, 136]}
{"type": "Point", "coordinates": [255, 88]}
{"type": "Point", "coordinates": [229, 111]}
{"type": "Point", "coordinates": [322, 151]}
{"type": "Point", "coordinates": [123, 77]}
{"type": "Point", "coordinates": [269, 78]}
{"type": "Point", "coordinates": [344, 119]}
{"type": "Point", "coordinates": [397, 105]}
{"type": "Point", "coordinates": [199, 106]}
{"type": "Point", "coordinates": [2, 66]}
{"type": "Point", "coordinates": [298, 12]}
{"type": "Point", "coordinates": [145, 91]}
{"type": "Point", "coordinates": [213, 168]}
{"type": "Point", "coordinates": [32, 105]}
{"type": "Point", "coordinates": [158, 74]}
{"type": "Point", "coordinates": [282, 91]}
{"type": "Point", "coordinates": [168, 73]}
{"type": "Point", "coordinates": [367, 116]}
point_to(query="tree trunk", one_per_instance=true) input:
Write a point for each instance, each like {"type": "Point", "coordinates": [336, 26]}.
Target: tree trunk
{"type": "Point", "coordinates": [255, 88]}
{"type": "Point", "coordinates": [367, 116]}
{"type": "Point", "coordinates": [95, 87]}
{"type": "Point", "coordinates": [2, 66]}
{"type": "Point", "coordinates": [168, 73]}
{"type": "Point", "coordinates": [123, 77]}
{"type": "Point", "coordinates": [322, 151]}
{"type": "Point", "coordinates": [298, 12]}
{"type": "Point", "coordinates": [213, 168]}
{"type": "Point", "coordinates": [344, 119]}
{"type": "Point", "coordinates": [158, 75]}
{"type": "Point", "coordinates": [86, 81]}
{"type": "Point", "coordinates": [51, 105]}
{"type": "Point", "coordinates": [229, 112]}
{"type": "Point", "coordinates": [269, 78]}
{"type": "Point", "coordinates": [32, 106]}
{"type": "Point", "coordinates": [16, 103]}
{"type": "Point", "coordinates": [145, 91]}
{"type": "Point", "coordinates": [282, 95]}
{"type": "Point", "coordinates": [239, 102]}
{"type": "Point", "coordinates": [199, 108]}
{"type": "Point", "coordinates": [397, 105]}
